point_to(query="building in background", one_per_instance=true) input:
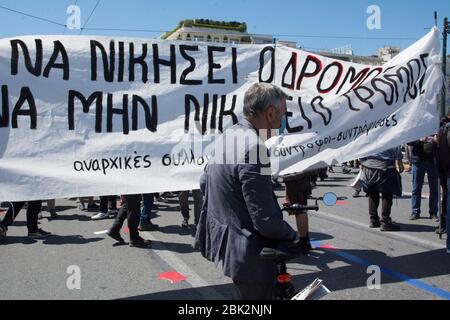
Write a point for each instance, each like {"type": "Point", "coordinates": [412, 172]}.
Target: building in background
{"type": "Point", "coordinates": [215, 31]}
{"type": "Point", "coordinates": [236, 32]}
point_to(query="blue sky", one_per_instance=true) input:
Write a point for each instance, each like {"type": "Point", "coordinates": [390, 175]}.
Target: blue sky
{"type": "Point", "coordinates": [345, 18]}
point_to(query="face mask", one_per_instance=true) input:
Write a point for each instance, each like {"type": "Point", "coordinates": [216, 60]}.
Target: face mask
{"type": "Point", "coordinates": [283, 125]}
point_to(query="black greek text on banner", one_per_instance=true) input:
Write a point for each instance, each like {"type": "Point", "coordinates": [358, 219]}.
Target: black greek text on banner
{"type": "Point", "coordinates": [82, 115]}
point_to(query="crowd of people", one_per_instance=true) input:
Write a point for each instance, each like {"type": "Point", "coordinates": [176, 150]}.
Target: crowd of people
{"type": "Point", "coordinates": [236, 213]}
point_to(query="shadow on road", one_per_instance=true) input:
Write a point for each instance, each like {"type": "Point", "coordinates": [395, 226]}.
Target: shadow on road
{"type": "Point", "coordinates": [172, 247]}
{"type": "Point", "coordinates": [72, 217]}
{"type": "Point", "coordinates": [395, 269]}
{"type": "Point", "coordinates": [75, 239]}
{"type": "Point", "coordinates": [52, 240]}
{"type": "Point", "coordinates": [202, 293]}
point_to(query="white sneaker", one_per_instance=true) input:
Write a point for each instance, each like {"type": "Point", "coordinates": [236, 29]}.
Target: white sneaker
{"type": "Point", "coordinates": [100, 216]}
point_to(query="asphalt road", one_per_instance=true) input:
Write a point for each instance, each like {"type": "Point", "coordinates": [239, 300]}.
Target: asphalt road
{"type": "Point", "coordinates": [412, 263]}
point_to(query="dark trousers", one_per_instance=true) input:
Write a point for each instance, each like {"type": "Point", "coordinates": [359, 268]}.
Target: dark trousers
{"type": "Point", "coordinates": [130, 210]}
{"type": "Point", "coordinates": [34, 207]}
{"type": "Point", "coordinates": [386, 205]}
{"type": "Point", "coordinates": [444, 207]}
{"type": "Point", "coordinates": [183, 198]}
{"type": "Point", "coordinates": [247, 291]}
{"type": "Point", "coordinates": [104, 203]}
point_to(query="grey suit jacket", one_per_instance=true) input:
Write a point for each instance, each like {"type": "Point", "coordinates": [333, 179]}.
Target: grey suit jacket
{"type": "Point", "coordinates": [240, 214]}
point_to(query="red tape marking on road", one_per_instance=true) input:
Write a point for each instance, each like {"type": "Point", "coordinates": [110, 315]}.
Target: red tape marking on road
{"type": "Point", "coordinates": [172, 276]}
{"type": "Point", "coordinates": [342, 202]}
{"type": "Point", "coordinates": [328, 246]}
{"type": "Point", "coordinates": [126, 230]}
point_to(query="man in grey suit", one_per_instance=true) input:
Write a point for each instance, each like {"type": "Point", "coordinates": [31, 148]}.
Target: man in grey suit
{"type": "Point", "coordinates": [240, 214]}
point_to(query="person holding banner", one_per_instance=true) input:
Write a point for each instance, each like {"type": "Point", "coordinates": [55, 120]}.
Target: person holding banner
{"type": "Point", "coordinates": [240, 214]}
{"type": "Point", "coordinates": [379, 175]}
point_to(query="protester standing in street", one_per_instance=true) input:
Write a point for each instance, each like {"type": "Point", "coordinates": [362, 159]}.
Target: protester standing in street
{"type": "Point", "coordinates": [423, 160]}
{"type": "Point", "coordinates": [379, 175]}
{"type": "Point", "coordinates": [241, 215]}
{"type": "Point", "coordinates": [443, 140]}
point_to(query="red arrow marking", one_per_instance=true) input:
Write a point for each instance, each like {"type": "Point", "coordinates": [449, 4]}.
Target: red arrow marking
{"type": "Point", "coordinates": [172, 276]}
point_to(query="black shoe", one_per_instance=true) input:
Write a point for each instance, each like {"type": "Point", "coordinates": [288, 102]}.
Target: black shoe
{"type": "Point", "coordinates": [414, 217]}
{"type": "Point", "coordinates": [148, 226]}
{"type": "Point", "coordinates": [112, 213]}
{"type": "Point", "coordinates": [93, 207]}
{"type": "Point", "coordinates": [356, 194]}
{"type": "Point", "coordinates": [115, 235]}
{"type": "Point", "coordinates": [276, 184]}
{"type": "Point", "coordinates": [304, 245]}
{"type": "Point", "coordinates": [140, 243]}
{"type": "Point", "coordinates": [185, 223]}
{"type": "Point", "coordinates": [53, 214]}
{"type": "Point", "coordinates": [82, 207]}
{"type": "Point", "coordinates": [374, 224]}
{"type": "Point", "coordinates": [443, 231]}
{"type": "Point", "coordinates": [434, 217]}
{"type": "Point", "coordinates": [39, 234]}
{"type": "Point", "coordinates": [346, 170]}
{"type": "Point", "coordinates": [390, 226]}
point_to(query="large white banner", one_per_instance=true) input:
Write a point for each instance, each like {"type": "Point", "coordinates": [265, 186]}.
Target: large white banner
{"type": "Point", "coordinates": [342, 111]}
{"type": "Point", "coordinates": [84, 116]}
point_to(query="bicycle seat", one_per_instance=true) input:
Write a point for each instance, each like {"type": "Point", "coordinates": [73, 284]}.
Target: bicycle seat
{"type": "Point", "coordinates": [279, 253]}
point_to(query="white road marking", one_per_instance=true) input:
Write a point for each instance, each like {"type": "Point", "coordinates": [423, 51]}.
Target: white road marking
{"type": "Point", "coordinates": [101, 232]}
{"type": "Point", "coordinates": [424, 195]}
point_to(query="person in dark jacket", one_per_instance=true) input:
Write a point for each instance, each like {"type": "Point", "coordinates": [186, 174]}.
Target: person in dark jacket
{"type": "Point", "coordinates": [240, 214]}
{"type": "Point", "coordinates": [423, 160]}
{"type": "Point", "coordinates": [443, 139]}
{"type": "Point", "coordinates": [379, 175]}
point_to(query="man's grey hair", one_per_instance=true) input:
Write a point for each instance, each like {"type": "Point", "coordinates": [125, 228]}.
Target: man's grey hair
{"type": "Point", "coordinates": [260, 96]}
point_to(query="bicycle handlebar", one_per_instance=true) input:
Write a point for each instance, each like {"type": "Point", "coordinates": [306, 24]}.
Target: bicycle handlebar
{"type": "Point", "coordinates": [299, 208]}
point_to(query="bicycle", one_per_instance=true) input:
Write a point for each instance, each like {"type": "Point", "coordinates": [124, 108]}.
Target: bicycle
{"type": "Point", "coordinates": [284, 288]}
